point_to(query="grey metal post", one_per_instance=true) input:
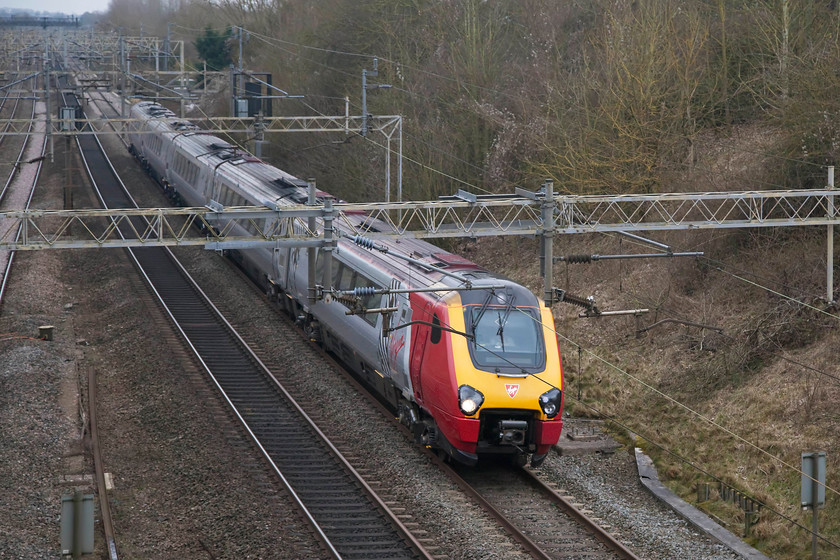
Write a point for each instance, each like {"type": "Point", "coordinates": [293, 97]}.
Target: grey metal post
{"type": "Point", "coordinates": [77, 525]}
{"type": "Point", "coordinates": [400, 165]}
{"type": "Point", "coordinates": [364, 102]}
{"type": "Point", "coordinates": [548, 241]}
{"type": "Point", "coordinates": [240, 48]}
{"type": "Point", "coordinates": [183, 70]}
{"type": "Point", "coordinates": [388, 168]}
{"type": "Point", "coordinates": [830, 241]}
{"type": "Point", "coordinates": [328, 243]}
{"type": "Point", "coordinates": [166, 47]}
{"type": "Point", "coordinates": [347, 115]}
{"type": "Point", "coordinates": [241, 82]}
{"type": "Point", "coordinates": [815, 525]}
{"type": "Point", "coordinates": [157, 63]}
{"type": "Point", "coordinates": [122, 75]}
{"type": "Point", "coordinates": [311, 251]}
{"type": "Point", "coordinates": [47, 99]}
{"type": "Point", "coordinates": [232, 91]}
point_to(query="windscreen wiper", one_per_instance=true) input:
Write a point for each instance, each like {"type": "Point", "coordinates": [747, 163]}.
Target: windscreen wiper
{"type": "Point", "coordinates": [503, 321]}
{"type": "Point", "coordinates": [501, 332]}
{"type": "Point", "coordinates": [481, 311]}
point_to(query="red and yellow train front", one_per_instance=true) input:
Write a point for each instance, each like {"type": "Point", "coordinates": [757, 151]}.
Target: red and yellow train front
{"type": "Point", "coordinates": [491, 375]}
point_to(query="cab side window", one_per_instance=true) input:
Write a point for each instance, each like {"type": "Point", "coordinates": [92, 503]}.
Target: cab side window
{"type": "Point", "coordinates": [437, 332]}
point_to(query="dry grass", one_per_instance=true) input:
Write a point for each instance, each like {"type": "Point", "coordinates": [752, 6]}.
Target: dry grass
{"type": "Point", "coordinates": [738, 406]}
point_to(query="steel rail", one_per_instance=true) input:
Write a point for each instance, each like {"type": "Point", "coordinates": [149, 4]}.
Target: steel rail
{"type": "Point", "coordinates": [313, 523]}
{"type": "Point", "coordinates": [284, 481]}
{"type": "Point", "coordinates": [599, 532]}
{"type": "Point", "coordinates": [406, 534]}
{"type": "Point", "coordinates": [506, 524]}
{"type": "Point", "coordinates": [104, 505]}
{"type": "Point", "coordinates": [10, 260]}
{"type": "Point", "coordinates": [16, 168]}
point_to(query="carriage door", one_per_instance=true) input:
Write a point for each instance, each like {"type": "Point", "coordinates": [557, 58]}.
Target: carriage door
{"type": "Point", "coordinates": [421, 337]}
{"type": "Point", "coordinates": [279, 262]}
{"type": "Point", "coordinates": [395, 344]}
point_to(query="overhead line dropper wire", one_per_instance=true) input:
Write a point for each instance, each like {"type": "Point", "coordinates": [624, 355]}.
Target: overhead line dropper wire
{"type": "Point", "coordinates": [391, 151]}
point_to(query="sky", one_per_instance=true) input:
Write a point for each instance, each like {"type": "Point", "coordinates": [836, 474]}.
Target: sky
{"type": "Point", "coordinates": [77, 7]}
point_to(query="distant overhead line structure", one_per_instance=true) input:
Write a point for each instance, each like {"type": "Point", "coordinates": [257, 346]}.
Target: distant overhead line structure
{"type": "Point", "coordinates": [338, 123]}
{"type": "Point", "coordinates": [39, 22]}
{"type": "Point", "coordinates": [390, 126]}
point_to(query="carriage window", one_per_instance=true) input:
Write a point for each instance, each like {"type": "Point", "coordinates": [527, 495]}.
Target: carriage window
{"type": "Point", "coordinates": [337, 268]}
{"type": "Point", "coordinates": [346, 281]}
{"type": "Point", "coordinates": [369, 302]}
{"type": "Point", "coordinates": [345, 278]}
{"type": "Point", "coordinates": [436, 333]}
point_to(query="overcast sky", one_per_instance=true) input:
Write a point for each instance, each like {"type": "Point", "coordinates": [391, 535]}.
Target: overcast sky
{"type": "Point", "coordinates": [77, 7]}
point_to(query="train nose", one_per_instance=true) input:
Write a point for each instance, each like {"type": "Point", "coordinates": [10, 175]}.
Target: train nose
{"type": "Point", "coordinates": [512, 432]}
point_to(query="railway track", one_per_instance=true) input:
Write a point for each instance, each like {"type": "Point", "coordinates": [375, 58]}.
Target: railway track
{"type": "Point", "coordinates": [346, 514]}
{"type": "Point", "coordinates": [20, 184]}
{"type": "Point", "coordinates": [553, 526]}
{"type": "Point", "coordinates": [545, 524]}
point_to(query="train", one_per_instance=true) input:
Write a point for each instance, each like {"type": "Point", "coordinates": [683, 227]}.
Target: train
{"type": "Point", "coordinates": [468, 359]}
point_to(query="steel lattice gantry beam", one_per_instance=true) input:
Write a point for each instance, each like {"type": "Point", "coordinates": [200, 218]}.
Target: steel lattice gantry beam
{"type": "Point", "coordinates": [470, 217]}
{"type": "Point", "coordinates": [341, 123]}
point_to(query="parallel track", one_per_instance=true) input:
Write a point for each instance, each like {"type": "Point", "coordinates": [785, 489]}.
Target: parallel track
{"type": "Point", "coordinates": [7, 257]}
{"type": "Point", "coordinates": [544, 524]}
{"type": "Point", "coordinates": [346, 514]}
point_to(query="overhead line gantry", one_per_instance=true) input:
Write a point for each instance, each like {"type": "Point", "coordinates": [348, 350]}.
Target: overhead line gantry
{"type": "Point", "coordinates": [542, 214]}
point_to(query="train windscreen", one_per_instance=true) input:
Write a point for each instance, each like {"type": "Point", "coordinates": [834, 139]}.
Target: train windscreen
{"type": "Point", "coordinates": [505, 337]}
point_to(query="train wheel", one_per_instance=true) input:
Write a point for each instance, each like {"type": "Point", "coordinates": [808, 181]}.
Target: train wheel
{"type": "Point", "coordinates": [291, 308]}
{"type": "Point", "coordinates": [444, 456]}
{"type": "Point", "coordinates": [537, 460]}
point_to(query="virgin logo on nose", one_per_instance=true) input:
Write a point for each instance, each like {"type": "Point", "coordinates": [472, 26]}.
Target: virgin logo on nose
{"type": "Point", "coordinates": [511, 389]}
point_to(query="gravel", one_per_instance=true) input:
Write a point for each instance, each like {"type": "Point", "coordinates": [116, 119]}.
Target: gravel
{"type": "Point", "coordinates": [186, 484]}
{"type": "Point", "coordinates": [609, 485]}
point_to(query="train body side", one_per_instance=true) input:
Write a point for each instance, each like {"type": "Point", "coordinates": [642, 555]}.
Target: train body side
{"type": "Point", "coordinates": [422, 357]}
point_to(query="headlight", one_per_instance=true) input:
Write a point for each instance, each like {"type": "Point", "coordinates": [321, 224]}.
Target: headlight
{"type": "Point", "coordinates": [550, 402]}
{"type": "Point", "coordinates": [469, 400]}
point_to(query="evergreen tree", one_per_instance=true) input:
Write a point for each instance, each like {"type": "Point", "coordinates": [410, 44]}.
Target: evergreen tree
{"type": "Point", "coordinates": [213, 48]}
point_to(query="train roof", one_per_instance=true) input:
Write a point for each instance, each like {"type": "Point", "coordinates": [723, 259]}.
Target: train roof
{"type": "Point", "coordinates": [265, 181]}
{"type": "Point", "coordinates": [269, 184]}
